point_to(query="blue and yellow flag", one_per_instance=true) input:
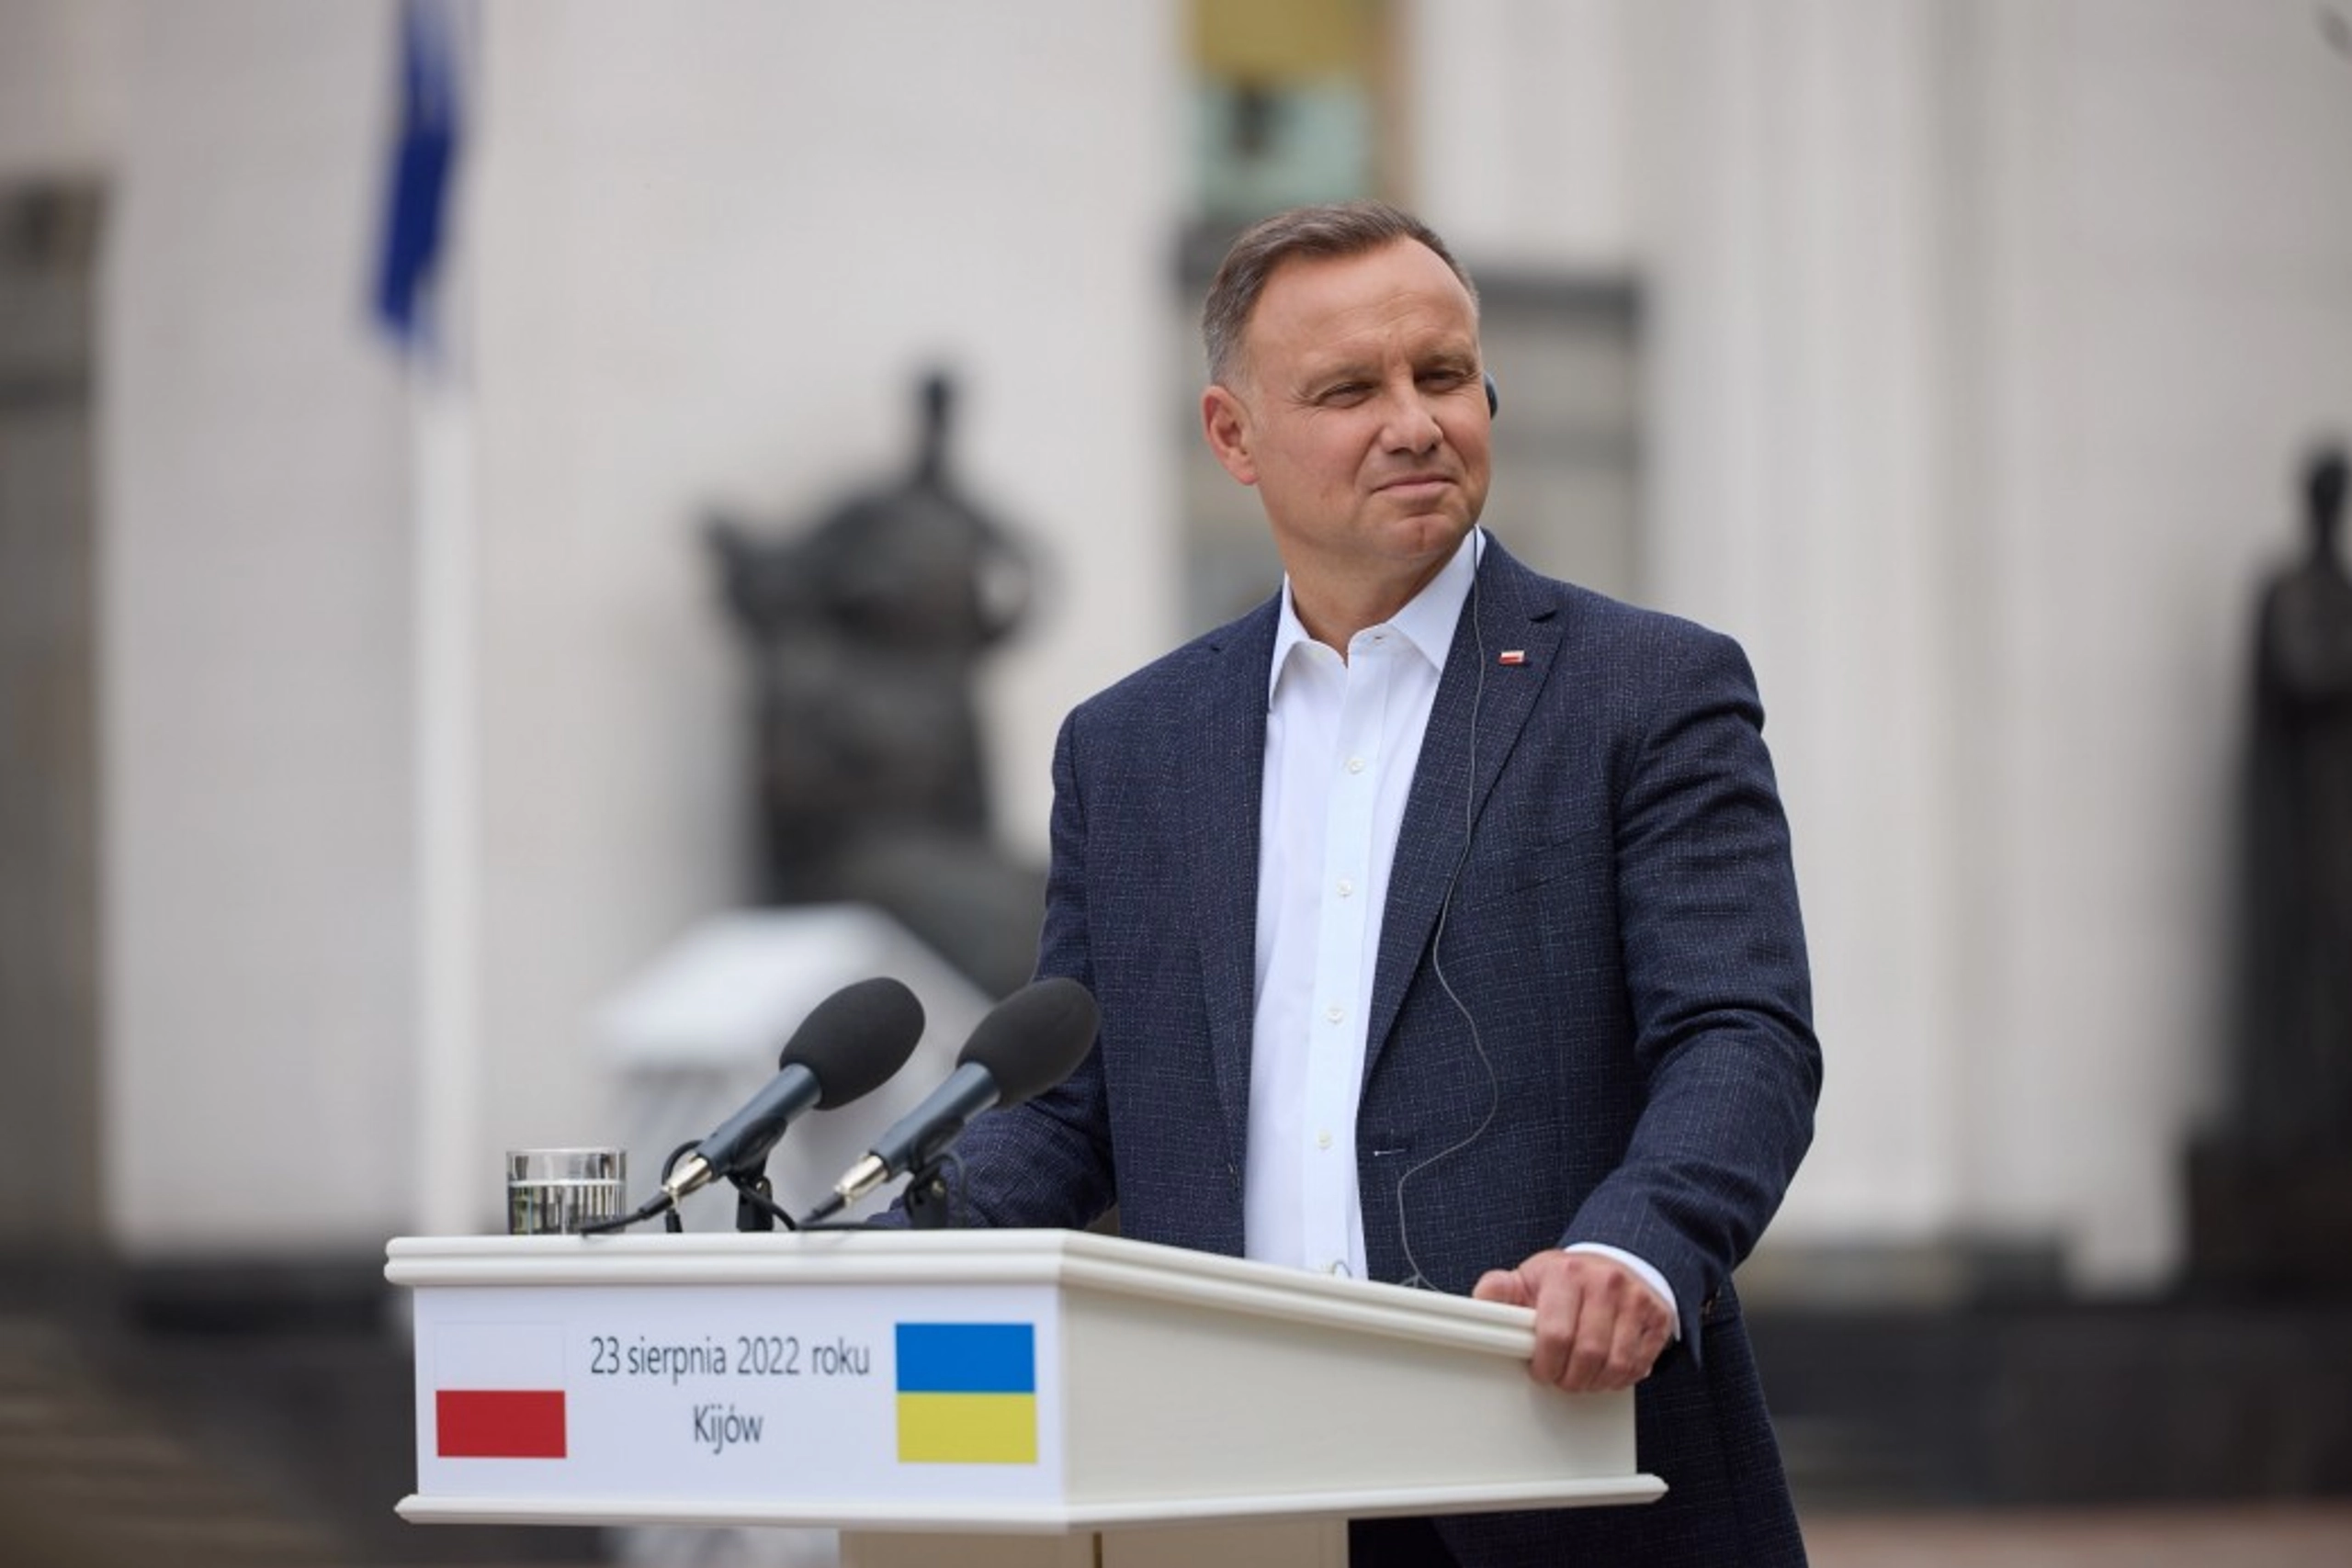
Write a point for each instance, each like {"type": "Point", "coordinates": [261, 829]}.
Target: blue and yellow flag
{"type": "Point", "coordinates": [424, 159]}
{"type": "Point", "coordinates": [968, 1393]}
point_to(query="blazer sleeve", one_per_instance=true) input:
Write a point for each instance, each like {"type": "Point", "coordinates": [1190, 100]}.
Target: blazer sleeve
{"type": "Point", "coordinates": [1716, 977]}
{"type": "Point", "coordinates": [1046, 1163]}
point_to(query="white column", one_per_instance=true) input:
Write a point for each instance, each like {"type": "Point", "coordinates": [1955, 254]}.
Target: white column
{"type": "Point", "coordinates": [1793, 208]}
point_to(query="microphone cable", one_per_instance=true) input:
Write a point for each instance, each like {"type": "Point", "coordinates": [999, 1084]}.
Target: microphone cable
{"type": "Point", "coordinates": [951, 1207]}
{"type": "Point", "coordinates": [1414, 1278]}
{"type": "Point", "coordinates": [658, 1204]}
{"type": "Point", "coordinates": [747, 1189]}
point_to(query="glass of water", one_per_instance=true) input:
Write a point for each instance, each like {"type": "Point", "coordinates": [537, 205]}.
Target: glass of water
{"type": "Point", "coordinates": [562, 1192]}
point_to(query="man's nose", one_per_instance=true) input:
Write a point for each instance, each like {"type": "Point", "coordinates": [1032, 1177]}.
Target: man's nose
{"type": "Point", "coordinates": [1410, 425]}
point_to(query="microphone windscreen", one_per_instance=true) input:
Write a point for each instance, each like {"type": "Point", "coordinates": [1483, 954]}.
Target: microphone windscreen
{"type": "Point", "coordinates": [853, 1040]}
{"type": "Point", "coordinates": [1035, 1038]}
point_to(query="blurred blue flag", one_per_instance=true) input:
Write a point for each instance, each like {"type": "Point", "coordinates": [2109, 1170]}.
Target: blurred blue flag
{"type": "Point", "coordinates": [423, 157]}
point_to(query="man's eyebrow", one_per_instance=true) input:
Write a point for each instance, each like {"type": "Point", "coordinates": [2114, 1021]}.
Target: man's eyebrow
{"type": "Point", "coordinates": [1451, 356]}
{"type": "Point", "coordinates": [1463, 352]}
{"type": "Point", "coordinates": [1352, 369]}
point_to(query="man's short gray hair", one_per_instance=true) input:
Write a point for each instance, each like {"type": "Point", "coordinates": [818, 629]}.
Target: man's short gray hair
{"type": "Point", "coordinates": [1338, 229]}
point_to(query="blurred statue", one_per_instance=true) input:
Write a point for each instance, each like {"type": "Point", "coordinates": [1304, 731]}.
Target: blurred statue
{"type": "Point", "coordinates": [2296, 1093]}
{"type": "Point", "coordinates": [862, 632]}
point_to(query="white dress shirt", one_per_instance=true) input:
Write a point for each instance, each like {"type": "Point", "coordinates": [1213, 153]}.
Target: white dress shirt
{"type": "Point", "coordinates": [1342, 738]}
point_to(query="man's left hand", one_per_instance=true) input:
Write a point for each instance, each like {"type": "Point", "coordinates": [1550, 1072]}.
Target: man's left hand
{"type": "Point", "coordinates": [1598, 1327]}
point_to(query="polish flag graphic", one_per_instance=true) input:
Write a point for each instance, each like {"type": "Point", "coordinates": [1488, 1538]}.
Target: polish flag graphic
{"type": "Point", "coordinates": [498, 1390]}
{"type": "Point", "coordinates": [498, 1423]}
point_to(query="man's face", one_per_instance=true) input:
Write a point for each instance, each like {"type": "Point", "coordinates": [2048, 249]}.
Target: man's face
{"type": "Point", "coordinates": [1358, 412]}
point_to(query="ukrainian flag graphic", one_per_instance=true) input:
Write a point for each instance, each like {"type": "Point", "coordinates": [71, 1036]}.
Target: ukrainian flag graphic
{"type": "Point", "coordinates": [968, 1393]}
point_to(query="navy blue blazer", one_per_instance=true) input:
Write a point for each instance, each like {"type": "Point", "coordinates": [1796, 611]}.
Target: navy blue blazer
{"type": "Point", "coordinates": [1621, 925]}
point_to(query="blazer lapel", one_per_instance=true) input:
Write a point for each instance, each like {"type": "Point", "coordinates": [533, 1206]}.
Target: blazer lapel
{"type": "Point", "coordinates": [1462, 753]}
{"type": "Point", "coordinates": [1222, 767]}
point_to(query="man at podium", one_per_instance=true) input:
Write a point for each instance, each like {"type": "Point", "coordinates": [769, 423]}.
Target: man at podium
{"type": "Point", "coordinates": [1440, 915]}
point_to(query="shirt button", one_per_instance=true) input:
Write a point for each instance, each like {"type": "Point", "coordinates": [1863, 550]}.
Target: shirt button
{"type": "Point", "coordinates": [1335, 1014]}
{"type": "Point", "coordinates": [1322, 1140]}
{"type": "Point", "coordinates": [1347, 888]}
{"type": "Point", "coordinates": [1355, 764]}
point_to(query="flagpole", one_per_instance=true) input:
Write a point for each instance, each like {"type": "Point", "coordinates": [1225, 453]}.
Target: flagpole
{"type": "Point", "coordinates": [454, 1185]}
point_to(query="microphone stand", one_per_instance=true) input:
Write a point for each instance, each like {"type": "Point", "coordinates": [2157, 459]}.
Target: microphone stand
{"type": "Point", "coordinates": [755, 1201]}
{"type": "Point", "coordinates": [930, 1205]}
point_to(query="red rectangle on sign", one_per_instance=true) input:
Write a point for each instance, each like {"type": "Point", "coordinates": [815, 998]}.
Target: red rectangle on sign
{"type": "Point", "coordinates": [498, 1423]}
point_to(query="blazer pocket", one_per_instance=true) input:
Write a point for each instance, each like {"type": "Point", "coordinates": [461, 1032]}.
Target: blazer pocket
{"type": "Point", "coordinates": [1532, 872]}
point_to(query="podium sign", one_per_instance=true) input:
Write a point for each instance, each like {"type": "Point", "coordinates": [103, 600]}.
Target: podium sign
{"type": "Point", "coordinates": [1004, 1381]}
{"type": "Point", "coordinates": [847, 1392]}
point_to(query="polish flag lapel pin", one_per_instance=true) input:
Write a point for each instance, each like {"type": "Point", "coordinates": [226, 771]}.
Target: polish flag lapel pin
{"type": "Point", "coordinates": [1512, 656]}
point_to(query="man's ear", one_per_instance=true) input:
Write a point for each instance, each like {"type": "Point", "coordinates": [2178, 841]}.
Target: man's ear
{"type": "Point", "coordinates": [1226, 423]}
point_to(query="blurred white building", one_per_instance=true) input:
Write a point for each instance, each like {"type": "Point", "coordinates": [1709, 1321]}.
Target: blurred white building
{"type": "Point", "coordinates": [1973, 348]}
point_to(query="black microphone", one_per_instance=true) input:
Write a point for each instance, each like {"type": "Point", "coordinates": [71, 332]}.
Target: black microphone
{"type": "Point", "coordinates": [848, 1046]}
{"type": "Point", "coordinates": [1027, 1044]}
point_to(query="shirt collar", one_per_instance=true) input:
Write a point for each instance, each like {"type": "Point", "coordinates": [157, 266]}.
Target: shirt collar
{"type": "Point", "coordinates": [1427, 621]}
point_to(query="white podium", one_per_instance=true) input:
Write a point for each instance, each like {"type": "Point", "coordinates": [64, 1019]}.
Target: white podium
{"type": "Point", "coordinates": [1047, 1384]}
